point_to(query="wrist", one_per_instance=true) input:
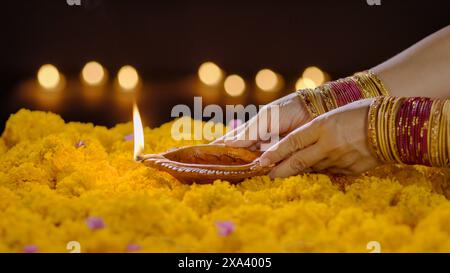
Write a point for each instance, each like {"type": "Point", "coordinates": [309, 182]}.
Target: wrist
{"type": "Point", "coordinates": [303, 110]}
{"type": "Point", "coordinates": [410, 130]}
{"type": "Point", "coordinates": [332, 95]}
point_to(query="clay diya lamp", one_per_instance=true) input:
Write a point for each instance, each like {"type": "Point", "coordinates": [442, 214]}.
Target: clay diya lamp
{"type": "Point", "coordinates": [199, 163]}
{"type": "Point", "coordinates": [205, 163]}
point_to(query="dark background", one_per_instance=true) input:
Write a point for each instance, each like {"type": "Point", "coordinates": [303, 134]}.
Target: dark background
{"type": "Point", "coordinates": [167, 40]}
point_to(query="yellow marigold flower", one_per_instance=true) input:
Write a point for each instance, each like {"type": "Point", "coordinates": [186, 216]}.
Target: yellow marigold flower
{"type": "Point", "coordinates": [54, 176]}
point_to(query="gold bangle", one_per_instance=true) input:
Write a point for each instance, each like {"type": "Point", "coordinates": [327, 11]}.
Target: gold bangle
{"type": "Point", "coordinates": [333, 97]}
{"type": "Point", "coordinates": [392, 129]}
{"type": "Point", "coordinates": [381, 129]}
{"type": "Point", "coordinates": [443, 135]}
{"type": "Point", "coordinates": [364, 91]}
{"type": "Point", "coordinates": [434, 132]}
{"type": "Point", "coordinates": [446, 112]}
{"type": "Point", "coordinates": [375, 91]}
{"type": "Point", "coordinates": [372, 127]}
{"type": "Point", "coordinates": [376, 80]}
{"type": "Point", "coordinates": [327, 97]}
{"type": "Point", "coordinates": [304, 94]}
{"type": "Point", "coordinates": [323, 98]}
{"type": "Point", "coordinates": [367, 85]}
{"type": "Point", "coordinates": [319, 101]}
{"type": "Point", "coordinates": [386, 128]}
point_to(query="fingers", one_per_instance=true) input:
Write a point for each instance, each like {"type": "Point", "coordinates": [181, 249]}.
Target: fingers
{"type": "Point", "coordinates": [243, 136]}
{"type": "Point", "coordinates": [340, 171]}
{"type": "Point", "coordinates": [257, 129]}
{"type": "Point", "coordinates": [323, 164]}
{"type": "Point", "coordinates": [339, 161]}
{"type": "Point", "coordinates": [243, 139]}
{"type": "Point", "coordinates": [363, 165]}
{"type": "Point", "coordinates": [230, 134]}
{"type": "Point", "coordinates": [254, 147]}
{"type": "Point", "coordinates": [296, 140]}
{"type": "Point", "coordinates": [347, 160]}
{"type": "Point", "coordinates": [360, 166]}
{"type": "Point", "coordinates": [298, 162]}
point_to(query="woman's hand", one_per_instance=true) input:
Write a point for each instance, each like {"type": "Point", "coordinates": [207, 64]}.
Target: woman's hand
{"type": "Point", "coordinates": [336, 141]}
{"type": "Point", "coordinates": [292, 114]}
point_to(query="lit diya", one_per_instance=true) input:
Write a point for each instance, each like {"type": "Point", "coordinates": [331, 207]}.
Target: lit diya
{"type": "Point", "coordinates": [199, 163]}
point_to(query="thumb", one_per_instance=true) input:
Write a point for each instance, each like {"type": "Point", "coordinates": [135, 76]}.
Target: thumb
{"type": "Point", "coordinates": [296, 140]}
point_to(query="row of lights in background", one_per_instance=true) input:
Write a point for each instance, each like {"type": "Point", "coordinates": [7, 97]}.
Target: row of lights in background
{"type": "Point", "coordinates": [209, 73]}
{"type": "Point", "coordinates": [266, 79]}
{"type": "Point", "coordinates": [92, 74]}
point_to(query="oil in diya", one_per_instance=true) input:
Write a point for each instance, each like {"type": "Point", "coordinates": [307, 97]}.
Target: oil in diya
{"type": "Point", "coordinates": [199, 163]}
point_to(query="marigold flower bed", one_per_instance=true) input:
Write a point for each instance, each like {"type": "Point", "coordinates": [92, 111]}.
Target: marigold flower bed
{"type": "Point", "coordinates": [62, 182]}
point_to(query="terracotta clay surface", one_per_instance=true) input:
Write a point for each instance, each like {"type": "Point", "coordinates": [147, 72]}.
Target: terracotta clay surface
{"type": "Point", "coordinates": [206, 163]}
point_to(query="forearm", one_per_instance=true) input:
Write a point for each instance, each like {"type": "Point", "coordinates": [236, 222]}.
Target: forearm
{"type": "Point", "coordinates": [421, 70]}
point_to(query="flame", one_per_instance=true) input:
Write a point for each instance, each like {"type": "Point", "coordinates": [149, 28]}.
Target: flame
{"type": "Point", "coordinates": [138, 133]}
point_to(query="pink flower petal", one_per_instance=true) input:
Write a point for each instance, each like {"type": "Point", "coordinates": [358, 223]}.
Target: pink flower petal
{"type": "Point", "coordinates": [94, 222]}
{"type": "Point", "coordinates": [30, 249]}
{"type": "Point", "coordinates": [133, 247]}
{"type": "Point", "coordinates": [80, 143]}
{"type": "Point", "coordinates": [128, 137]}
{"type": "Point", "coordinates": [225, 228]}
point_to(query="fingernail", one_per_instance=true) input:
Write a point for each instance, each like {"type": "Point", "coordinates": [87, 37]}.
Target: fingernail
{"type": "Point", "coordinates": [264, 162]}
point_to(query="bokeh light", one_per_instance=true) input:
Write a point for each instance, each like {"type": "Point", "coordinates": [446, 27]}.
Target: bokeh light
{"type": "Point", "coordinates": [128, 77]}
{"type": "Point", "coordinates": [303, 83]}
{"type": "Point", "coordinates": [234, 85]}
{"type": "Point", "coordinates": [210, 73]}
{"type": "Point", "coordinates": [315, 74]}
{"type": "Point", "coordinates": [267, 80]}
{"type": "Point", "coordinates": [93, 73]}
{"type": "Point", "coordinates": [48, 76]}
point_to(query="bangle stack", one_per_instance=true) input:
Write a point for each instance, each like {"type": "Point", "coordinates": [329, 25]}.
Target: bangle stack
{"type": "Point", "coordinates": [337, 93]}
{"type": "Point", "coordinates": [410, 130]}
